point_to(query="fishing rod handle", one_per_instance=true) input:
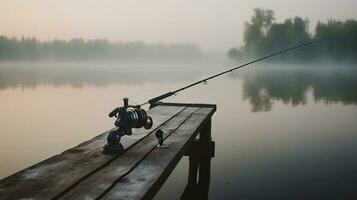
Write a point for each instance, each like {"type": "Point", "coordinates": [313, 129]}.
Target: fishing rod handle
{"type": "Point", "coordinates": [153, 100]}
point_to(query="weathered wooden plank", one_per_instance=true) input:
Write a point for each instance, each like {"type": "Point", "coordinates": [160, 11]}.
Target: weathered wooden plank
{"type": "Point", "coordinates": [55, 175]}
{"type": "Point", "coordinates": [97, 184]}
{"type": "Point", "coordinates": [146, 179]}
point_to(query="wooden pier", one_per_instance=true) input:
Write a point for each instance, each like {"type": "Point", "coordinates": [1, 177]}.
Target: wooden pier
{"type": "Point", "coordinates": [138, 172]}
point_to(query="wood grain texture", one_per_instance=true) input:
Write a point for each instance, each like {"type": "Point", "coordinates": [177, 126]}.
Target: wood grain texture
{"type": "Point", "coordinates": [146, 179]}
{"type": "Point", "coordinates": [97, 184]}
{"type": "Point", "coordinates": [59, 173]}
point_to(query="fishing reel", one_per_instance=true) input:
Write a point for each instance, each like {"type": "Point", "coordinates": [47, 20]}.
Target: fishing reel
{"type": "Point", "coordinates": [128, 117]}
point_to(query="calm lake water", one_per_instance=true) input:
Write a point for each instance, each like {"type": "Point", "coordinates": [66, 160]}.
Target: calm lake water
{"type": "Point", "coordinates": [281, 132]}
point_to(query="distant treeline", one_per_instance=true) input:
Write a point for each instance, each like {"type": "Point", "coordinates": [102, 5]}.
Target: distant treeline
{"type": "Point", "coordinates": [262, 36]}
{"type": "Point", "coordinates": [31, 49]}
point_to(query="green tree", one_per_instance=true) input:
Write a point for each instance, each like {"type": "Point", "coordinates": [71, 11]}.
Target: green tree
{"type": "Point", "coordinates": [262, 36]}
{"type": "Point", "coordinates": [256, 29]}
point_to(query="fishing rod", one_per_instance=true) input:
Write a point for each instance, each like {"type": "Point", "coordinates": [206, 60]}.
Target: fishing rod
{"type": "Point", "coordinates": [133, 116]}
{"type": "Point", "coordinates": [168, 94]}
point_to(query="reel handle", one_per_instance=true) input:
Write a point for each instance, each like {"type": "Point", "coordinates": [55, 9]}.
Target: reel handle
{"type": "Point", "coordinates": [114, 112]}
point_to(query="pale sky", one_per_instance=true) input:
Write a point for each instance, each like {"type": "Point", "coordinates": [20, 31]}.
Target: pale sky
{"type": "Point", "coordinates": [215, 25]}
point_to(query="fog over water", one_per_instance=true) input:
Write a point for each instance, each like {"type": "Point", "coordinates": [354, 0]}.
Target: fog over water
{"type": "Point", "coordinates": [287, 131]}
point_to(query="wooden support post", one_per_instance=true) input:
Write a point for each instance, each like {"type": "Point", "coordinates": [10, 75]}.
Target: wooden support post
{"type": "Point", "coordinates": [205, 160]}
{"type": "Point", "coordinates": [192, 171]}
{"type": "Point", "coordinates": [200, 154]}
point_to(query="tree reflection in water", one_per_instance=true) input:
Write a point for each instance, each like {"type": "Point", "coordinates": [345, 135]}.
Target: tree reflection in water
{"type": "Point", "coordinates": [291, 86]}
{"type": "Point", "coordinates": [262, 85]}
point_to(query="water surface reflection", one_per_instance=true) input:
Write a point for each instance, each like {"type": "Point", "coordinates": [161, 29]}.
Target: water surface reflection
{"type": "Point", "coordinates": [292, 85]}
{"type": "Point", "coordinates": [262, 85]}
{"type": "Point", "coordinates": [32, 75]}
{"type": "Point", "coordinates": [303, 148]}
